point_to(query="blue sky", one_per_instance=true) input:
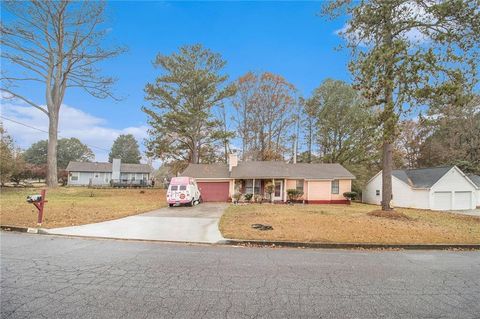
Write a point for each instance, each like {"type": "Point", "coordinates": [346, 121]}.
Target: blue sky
{"type": "Point", "coordinates": [287, 38]}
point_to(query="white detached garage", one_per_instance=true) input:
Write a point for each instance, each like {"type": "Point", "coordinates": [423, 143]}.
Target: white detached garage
{"type": "Point", "coordinates": [437, 188]}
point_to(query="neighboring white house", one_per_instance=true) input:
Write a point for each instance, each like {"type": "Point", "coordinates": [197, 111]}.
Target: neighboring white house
{"type": "Point", "coordinates": [438, 188]}
{"type": "Point", "coordinates": [108, 174]}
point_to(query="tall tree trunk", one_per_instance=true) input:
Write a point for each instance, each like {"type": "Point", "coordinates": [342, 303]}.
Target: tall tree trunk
{"type": "Point", "coordinates": [389, 119]}
{"type": "Point", "coordinates": [387, 176]}
{"type": "Point", "coordinates": [195, 153]}
{"type": "Point", "coordinates": [310, 137]}
{"type": "Point", "coordinates": [389, 128]}
{"type": "Point", "coordinates": [52, 178]}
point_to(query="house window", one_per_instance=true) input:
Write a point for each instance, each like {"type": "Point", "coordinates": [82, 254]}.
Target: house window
{"type": "Point", "coordinates": [335, 186]}
{"type": "Point", "coordinates": [377, 192]}
{"type": "Point", "coordinates": [249, 189]}
{"type": "Point", "coordinates": [300, 185]}
{"type": "Point", "coordinates": [74, 176]}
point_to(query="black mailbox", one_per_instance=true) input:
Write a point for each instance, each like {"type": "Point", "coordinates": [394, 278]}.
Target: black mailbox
{"type": "Point", "coordinates": [34, 198]}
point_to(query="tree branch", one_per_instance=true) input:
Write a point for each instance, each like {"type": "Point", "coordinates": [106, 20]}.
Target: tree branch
{"type": "Point", "coordinates": [26, 100]}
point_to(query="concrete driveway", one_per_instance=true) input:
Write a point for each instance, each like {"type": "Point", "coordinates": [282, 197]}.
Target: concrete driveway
{"type": "Point", "coordinates": [184, 224]}
{"type": "Point", "coordinates": [471, 212]}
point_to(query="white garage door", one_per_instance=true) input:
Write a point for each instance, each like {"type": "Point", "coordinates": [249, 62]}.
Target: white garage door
{"type": "Point", "coordinates": [463, 200]}
{"type": "Point", "coordinates": [442, 200]}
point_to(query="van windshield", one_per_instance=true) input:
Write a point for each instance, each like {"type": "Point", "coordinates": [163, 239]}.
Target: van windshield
{"type": "Point", "coordinates": [173, 188]}
{"type": "Point", "coordinates": [183, 187]}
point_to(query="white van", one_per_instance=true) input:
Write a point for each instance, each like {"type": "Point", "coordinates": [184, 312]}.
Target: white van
{"type": "Point", "coordinates": [183, 190]}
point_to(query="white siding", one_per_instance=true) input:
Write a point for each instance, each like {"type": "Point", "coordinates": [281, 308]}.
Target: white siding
{"type": "Point", "coordinates": [452, 191]}
{"type": "Point", "coordinates": [453, 181]}
{"type": "Point", "coordinates": [369, 193]}
{"type": "Point", "coordinates": [403, 195]}
{"type": "Point", "coordinates": [84, 178]}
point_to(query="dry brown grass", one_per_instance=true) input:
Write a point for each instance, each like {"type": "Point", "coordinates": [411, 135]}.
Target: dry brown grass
{"type": "Point", "coordinates": [348, 224]}
{"type": "Point", "coordinates": [68, 206]}
{"type": "Point", "coordinates": [393, 214]}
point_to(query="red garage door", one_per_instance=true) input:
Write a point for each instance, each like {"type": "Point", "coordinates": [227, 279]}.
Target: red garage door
{"type": "Point", "coordinates": [214, 191]}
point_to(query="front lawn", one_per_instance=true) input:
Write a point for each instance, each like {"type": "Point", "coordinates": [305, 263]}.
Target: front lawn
{"type": "Point", "coordinates": [347, 224]}
{"type": "Point", "coordinates": [68, 206]}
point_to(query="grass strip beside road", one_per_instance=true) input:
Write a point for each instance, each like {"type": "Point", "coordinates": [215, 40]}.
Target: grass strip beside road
{"type": "Point", "coordinates": [348, 224]}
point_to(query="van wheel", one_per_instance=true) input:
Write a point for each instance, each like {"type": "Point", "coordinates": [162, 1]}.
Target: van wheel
{"type": "Point", "coordinates": [191, 203]}
{"type": "Point", "coordinates": [170, 205]}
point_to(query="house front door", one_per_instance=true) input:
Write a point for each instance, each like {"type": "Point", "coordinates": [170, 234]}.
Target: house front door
{"type": "Point", "coordinates": [277, 194]}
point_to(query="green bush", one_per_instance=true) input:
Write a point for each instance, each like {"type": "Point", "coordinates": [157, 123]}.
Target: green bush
{"type": "Point", "coordinates": [248, 197]}
{"type": "Point", "coordinates": [294, 194]}
{"type": "Point", "coordinates": [350, 195]}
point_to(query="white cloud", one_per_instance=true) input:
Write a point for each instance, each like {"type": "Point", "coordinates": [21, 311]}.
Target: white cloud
{"type": "Point", "coordinates": [91, 130]}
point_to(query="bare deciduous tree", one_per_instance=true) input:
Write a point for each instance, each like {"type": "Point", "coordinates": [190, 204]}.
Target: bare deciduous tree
{"type": "Point", "coordinates": [57, 44]}
{"type": "Point", "coordinates": [410, 139]}
{"type": "Point", "coordinates": [266, 106]}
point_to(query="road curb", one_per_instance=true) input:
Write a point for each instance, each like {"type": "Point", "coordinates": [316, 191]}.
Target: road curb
{"type": "Point", "coordinates": [19, 229]}
{"type": "Point", "coordinates": [264, 243]}
{"type": "Point", "coordinates": [14, 228]}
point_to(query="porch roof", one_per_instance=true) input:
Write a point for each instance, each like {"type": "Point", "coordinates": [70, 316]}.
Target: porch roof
{"type": "Point", "coordinates": [217, 170]}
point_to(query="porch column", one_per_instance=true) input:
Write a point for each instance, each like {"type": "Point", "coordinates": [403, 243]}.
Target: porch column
{"type": "Point", "coordinates": [253, 189]}
{"type": "Point", "coordinates": [285, 190]}
{"type": "Point", "coordinates": [273, 194]}
{"type": "Point", "coordinates": [232, 188]}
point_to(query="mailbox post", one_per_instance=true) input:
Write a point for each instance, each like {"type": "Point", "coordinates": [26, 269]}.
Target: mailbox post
{"type": "Point", "coordinates": [38, 201]}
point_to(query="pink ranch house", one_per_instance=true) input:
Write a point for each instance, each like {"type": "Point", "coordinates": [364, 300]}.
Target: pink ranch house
{"type": "Point", "coordinates": [319, 183]}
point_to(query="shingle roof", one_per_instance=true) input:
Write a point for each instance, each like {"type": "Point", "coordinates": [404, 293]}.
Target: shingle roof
{"type": "Point", "coordinates": [269, 169]}
{"type": "Point", "coordinates": [421, 177]}
{"type": "Point", "coordinates": [107, 167]}
{"type": "Point", "coordinates": [475, 179]}
{"type": "Point", "coordinates": [207, 171]}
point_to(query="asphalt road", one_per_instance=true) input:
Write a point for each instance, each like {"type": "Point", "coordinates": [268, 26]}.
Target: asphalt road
{"type": "Point", "coordinates": [58, 277]}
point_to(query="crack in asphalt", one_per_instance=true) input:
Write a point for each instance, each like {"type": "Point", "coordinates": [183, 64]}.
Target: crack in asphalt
{"type": "Point", "coordinates": [44, 277]}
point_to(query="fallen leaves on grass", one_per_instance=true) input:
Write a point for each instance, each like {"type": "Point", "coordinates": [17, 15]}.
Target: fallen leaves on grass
{"type": "Point", "coordinates": [392, 214]}
{"type": "Point", "coordinates": [68, 206]}
{"type": "Point", "coordinates": [347, 224]}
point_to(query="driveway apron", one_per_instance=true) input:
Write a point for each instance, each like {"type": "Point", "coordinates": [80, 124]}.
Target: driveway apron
{"type": "Point", "coordinates": [183, 224]}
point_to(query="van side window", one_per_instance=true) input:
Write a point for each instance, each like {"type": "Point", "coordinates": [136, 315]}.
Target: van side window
{"type": "Point", "coordinates": [183, 188]}
{"type": "Point", "coordinates": [173, 188]}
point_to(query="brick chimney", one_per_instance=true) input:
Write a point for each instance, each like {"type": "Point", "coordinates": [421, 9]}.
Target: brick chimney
{"type": "Point", "coordinates": [232, 161]}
